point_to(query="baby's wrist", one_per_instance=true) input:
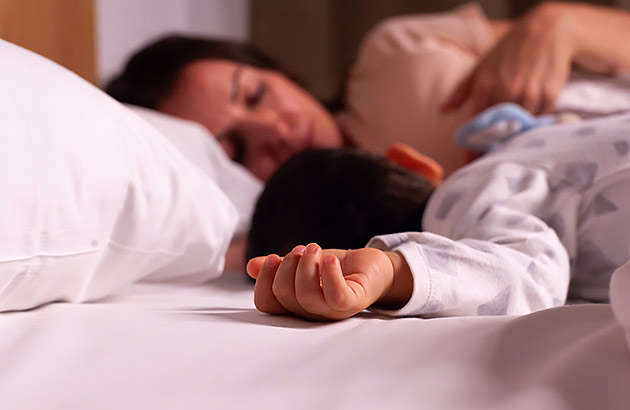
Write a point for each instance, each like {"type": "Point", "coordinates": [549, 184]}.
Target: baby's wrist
{"type": "Point", "coordinates": [399, 293]}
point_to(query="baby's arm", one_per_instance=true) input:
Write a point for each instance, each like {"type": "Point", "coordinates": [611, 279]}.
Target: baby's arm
{"type": "Point", "coordinates": [330, 284]}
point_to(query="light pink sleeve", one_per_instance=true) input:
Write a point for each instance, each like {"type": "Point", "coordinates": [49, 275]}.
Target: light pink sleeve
{"type": "Point", "coordinates": [405, 69]}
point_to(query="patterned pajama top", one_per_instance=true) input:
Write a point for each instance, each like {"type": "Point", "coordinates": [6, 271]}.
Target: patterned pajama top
{"type": "Point", "coordinates": [544, 218]}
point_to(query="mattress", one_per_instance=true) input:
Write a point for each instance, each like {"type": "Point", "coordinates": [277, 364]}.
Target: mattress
{"type": "Point", "coordinates": [163, 346]}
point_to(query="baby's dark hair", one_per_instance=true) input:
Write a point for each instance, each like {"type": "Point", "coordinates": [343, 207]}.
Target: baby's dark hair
{"type": "Point", "coordinates": [339, 198]}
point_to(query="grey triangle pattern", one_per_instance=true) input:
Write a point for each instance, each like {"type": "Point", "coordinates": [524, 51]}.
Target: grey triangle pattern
{"type": "Point", "coordinates": [603, 205]}
{"type": "Point", "coordinates": [556, 222]}
{"type": "Point", "coordinates": [581, 174]}
{"type": "Point", "coordinates": [549, 252]}
{"type": "Point", "coordinates": [559, 186]}
{"type": "Point", "coordinates": [491, 205]}
{"type": "Point", "coordinates": [432, 306]}
{"type": "Point", "coordinates": [584, 132]}
{"type": "Point", "coordinates": [449, 201]}
{"type": "Point", "coordinates": [481, 246]}
{"type": "Point", "coordinates": [518, 184]}
{"type": "Point", "coordinates": [592, 260]}
{"type": "Point", "coordinates": [535, 144]}
{"type": "Point", "coordinates": [497, 306]}
{"type": "Point", "coordinates": [440, 260]}
{"type": "Point", "coordinates": [621, 148]}
{"type": "Point", "coordinates": [532, 269]}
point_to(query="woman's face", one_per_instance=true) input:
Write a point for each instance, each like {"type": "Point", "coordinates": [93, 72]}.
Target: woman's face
{"type": "Point", "coordinates": [260, 117]}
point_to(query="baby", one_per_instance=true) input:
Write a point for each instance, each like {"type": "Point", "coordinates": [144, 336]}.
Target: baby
{"type": "Point", "coordinates": [543, 217]}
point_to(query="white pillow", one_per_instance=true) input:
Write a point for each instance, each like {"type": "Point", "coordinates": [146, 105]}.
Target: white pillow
{"type": "Point", "coordinates": [91, 196]}
{"type": "Point", "coordinates": [200, 147]}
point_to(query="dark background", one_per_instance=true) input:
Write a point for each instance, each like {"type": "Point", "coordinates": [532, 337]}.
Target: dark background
{"type": "Point", "coordinates": [316, 40]}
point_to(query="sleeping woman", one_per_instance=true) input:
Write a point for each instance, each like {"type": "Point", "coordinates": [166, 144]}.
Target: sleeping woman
{"type": "Point", "coordinates": [416, 79]}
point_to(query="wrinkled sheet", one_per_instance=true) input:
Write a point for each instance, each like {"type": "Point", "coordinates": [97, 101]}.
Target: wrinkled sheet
{"type": "Point", "coordinates": [165, 347]}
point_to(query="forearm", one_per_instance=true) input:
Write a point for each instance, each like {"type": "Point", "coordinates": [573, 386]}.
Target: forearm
{"type": "Point", "coordinates": [500, 28]}
{"type": "Point", "coordinates": [598, 36]}
{"type": "Point", "coordinates": [478, 277]}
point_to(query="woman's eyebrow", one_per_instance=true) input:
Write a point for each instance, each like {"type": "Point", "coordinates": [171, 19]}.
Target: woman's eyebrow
{"type": "Point", "coordinates": [236, 82]}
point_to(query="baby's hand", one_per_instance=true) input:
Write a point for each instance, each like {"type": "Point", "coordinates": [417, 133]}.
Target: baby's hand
{"type": "Point", "coordinates": [321, 284]}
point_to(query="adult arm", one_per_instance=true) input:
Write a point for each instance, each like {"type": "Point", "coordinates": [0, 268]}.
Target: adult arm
{"type": "Point", "coordinates": [601, 37]}
{"type": "Point", "coordinates": [531, 63]}
{"type": "Point", "coordinates": [406, 67]}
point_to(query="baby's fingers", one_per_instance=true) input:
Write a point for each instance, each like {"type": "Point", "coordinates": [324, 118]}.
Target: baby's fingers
{"type": "Point", "coordinates": [338, 295]}
{"type": "Point", "coordinates": [264, 298]}
{"type": "Point", "coordinates": [307, 283]}
{"type": "Point", "coordinates": [283, 287]}
{"type": "Point", "coordinates": [254, 265]}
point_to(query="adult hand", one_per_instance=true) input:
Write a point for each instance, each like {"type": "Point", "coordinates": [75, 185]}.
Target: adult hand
{"type": "Point", "coordinates": [528, 66]}
{"type": "Point", "coordinates": [321, 284]}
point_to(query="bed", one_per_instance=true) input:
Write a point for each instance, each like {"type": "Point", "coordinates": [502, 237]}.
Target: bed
{"type": "Point", "coordinates": [112, 293]}
{"type": "Point", "coordinates": [165, 346]}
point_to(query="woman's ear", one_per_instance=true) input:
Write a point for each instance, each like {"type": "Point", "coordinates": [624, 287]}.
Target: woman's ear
{"type": "Point", "coordinates": [414, 161]}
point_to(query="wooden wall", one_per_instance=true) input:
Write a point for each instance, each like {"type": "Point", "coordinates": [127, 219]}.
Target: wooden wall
{"type": "Point", "coordinates": [62, 30]}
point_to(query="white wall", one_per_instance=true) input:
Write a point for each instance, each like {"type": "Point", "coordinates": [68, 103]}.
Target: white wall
{"type": "Point", "coordinates": [123, 26]}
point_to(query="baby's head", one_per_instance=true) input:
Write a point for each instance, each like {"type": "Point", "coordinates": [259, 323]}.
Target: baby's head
{"type": "Point", "coordinates": [339, 198]}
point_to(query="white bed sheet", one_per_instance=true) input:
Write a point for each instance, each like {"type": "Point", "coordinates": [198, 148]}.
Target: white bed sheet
{"type": "Point", "coordinates": [164, 347]}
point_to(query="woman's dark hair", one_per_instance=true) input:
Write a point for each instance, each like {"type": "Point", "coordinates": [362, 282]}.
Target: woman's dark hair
{"type": "Point", "coordinates": [151, 73]}
{"type": "Point", "coordinates": [339, 198]}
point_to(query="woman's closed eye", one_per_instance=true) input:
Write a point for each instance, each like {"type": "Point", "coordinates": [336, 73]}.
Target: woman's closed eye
{"type": "Point", "coordinates": [253, 100]}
